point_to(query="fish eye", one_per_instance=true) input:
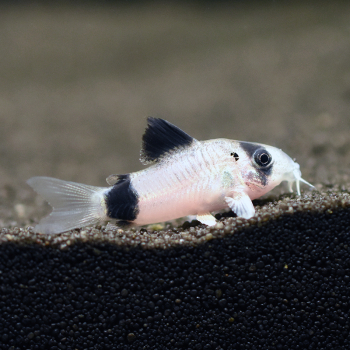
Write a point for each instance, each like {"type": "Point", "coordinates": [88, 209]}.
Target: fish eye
{"type": "Point", "coordinates": [262, 158]}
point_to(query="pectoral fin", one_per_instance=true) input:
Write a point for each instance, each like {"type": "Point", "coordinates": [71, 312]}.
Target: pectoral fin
{"type": "Point", "coordinates": [206, 219]}
{"type": "Point", "coordinates": [241, 205]}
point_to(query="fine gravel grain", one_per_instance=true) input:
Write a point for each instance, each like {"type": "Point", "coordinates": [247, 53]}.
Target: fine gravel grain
{"type": "Point", "coordinates": [77, 83]}
{"type": "Point", "coordinates": [173, 234]}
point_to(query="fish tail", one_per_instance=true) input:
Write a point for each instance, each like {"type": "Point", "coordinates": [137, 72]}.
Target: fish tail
{"type": "Point", "coordinates": [74, 205]}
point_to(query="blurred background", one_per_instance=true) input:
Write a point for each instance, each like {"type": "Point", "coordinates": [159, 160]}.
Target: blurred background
{"type": "Point", "coordinates": [77, 81]}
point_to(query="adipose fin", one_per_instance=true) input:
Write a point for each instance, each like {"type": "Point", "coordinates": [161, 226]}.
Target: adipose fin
{"type": "Point", "coordinates": [114, 179]}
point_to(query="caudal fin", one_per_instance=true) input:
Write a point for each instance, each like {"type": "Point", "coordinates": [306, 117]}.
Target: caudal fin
{"type": "Point", "coordinates": [74, 205]}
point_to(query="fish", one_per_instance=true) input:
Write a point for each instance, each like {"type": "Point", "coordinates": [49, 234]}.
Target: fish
{"type": "Point", "coordinates": [184, 177]}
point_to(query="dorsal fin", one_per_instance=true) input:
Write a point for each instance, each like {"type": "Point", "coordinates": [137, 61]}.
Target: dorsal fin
{"type": "Point", "coordinates": [160, 138]}
{"type": "Point", "coordinates": [114, 179]}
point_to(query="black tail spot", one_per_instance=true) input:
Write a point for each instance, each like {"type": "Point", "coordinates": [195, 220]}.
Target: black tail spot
{"type": "Point", "coordinates": [122, 201]}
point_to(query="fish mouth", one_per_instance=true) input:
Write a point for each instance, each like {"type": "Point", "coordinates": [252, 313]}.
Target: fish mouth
{"type": "Point", "coordinates": [295, 176]}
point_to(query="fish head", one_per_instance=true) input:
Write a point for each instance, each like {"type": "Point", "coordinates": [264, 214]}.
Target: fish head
{"type": "Point", "coordinates": [269, 166]}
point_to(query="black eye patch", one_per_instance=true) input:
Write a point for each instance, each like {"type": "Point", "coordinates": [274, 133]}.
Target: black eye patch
{"type": "Point", "coordinates": [257, 152]}
{"type": "Point", "coordinates": [235, 156]}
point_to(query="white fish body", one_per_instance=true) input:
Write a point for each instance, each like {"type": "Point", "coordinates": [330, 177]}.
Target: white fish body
{"type": "Point", "coordinates": [187, 177]}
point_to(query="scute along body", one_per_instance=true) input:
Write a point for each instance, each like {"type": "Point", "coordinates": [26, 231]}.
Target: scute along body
{"type": "Point", "coordinates": [193, 181]}
{"type": "Point", "coordinates": [190, 182]}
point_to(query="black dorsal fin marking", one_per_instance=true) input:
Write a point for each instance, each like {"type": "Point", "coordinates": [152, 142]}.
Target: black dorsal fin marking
{"type": "Point", "coordinates": [114, 179]}
{"type": "Point", "coordinates": [160, 138]}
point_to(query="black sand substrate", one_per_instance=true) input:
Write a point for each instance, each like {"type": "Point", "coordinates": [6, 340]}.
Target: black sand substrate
{"type": "Point", "coordinates": [282, 284]}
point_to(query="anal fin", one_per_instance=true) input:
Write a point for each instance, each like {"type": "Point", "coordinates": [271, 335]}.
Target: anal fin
{"type": "Point", "coordinates": [206, 219]}
{"type": "Point", "coordinates": [241, 205]}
